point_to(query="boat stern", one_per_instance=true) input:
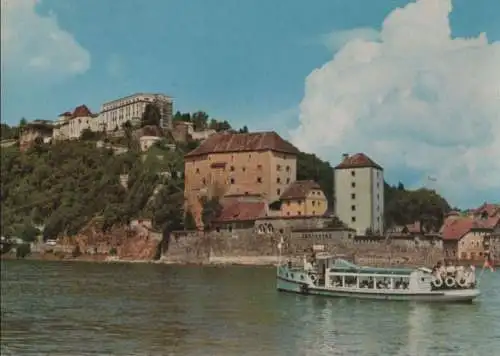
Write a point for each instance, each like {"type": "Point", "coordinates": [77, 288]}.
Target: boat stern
{"type": "Point", "coordinates": [461, 295]}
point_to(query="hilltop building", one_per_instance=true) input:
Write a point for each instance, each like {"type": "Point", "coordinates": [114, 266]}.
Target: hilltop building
{"type": "Point", "coordinates": [35, 131]}
{"type": "Point", "coordinates": [359, 194]}
{"type": "Point", "coordinates": [69, 125]}
{"type": "Point", "coordinates": [130, 108]}
{"type": "Point", "coordinates": [259, 163]}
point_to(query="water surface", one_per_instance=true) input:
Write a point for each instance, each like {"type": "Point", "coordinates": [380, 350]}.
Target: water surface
{"type": "Point", "coordinates": [71, 308]}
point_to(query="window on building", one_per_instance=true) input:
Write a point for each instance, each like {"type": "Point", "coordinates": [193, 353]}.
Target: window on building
{"type": "Point", "coordinates": [259, 167]}
{"type": "Point", "coordinates": [353, 219]}
{"type": "Point", "coordinates": [353, 196]}
{"type": "Point", "coordinates": [313, 202]}
{"type": "Point", "coordinates": [197, 170]}
{"type": "Point", "coordinates": [278, 191]}
{"type": "Point", "coordinates": [299, 212]}
{"type": "Point", "coordinates": [353, 173]}
{"type": "Point", "coordinates": [232, 168]}
{"type": "Point", "coordinates": [243, 169]}
{"type": "Point", "coordinates": [204, 181]}
{"type": "Point", "coordinates": [278, 167]}
{"type": "Point", "coordinates": [288, 180]}
{"type": "Point", "coordinates": [314, 212]}
{"type": "Point", "coordinates": [287, 168]}
{"type": "Point", "coordinates": [300, 202]}
{"type": "Point", "coordinates": [353, 207]}
{"type": "Point", "coordinates": [278, 180]}
{"type": "Point", "coordinates": [232, 180]}
{"type": "Point", "coordinates": [353, 184]}
{"type": "Point", "coordinates": [259, 179]}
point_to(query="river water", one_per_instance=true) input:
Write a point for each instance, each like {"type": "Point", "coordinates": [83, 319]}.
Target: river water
{"type": "Point", "coordinates": [76, 308]}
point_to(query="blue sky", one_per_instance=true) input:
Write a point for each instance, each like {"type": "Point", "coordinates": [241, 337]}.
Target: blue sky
{"type": "Point", "coordinates": [244, 61]}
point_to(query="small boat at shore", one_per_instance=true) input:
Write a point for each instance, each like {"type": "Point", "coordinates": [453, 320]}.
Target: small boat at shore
{"type": "Point", "coordinates": [336, 277]}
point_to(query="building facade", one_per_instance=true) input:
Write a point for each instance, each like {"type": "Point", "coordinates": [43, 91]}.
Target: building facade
{"type": "Point", "coordinates": [359, 194]}
{"type": "Point", "coordinates": [303, 198]}
{"type": "Point", "coordinates": [130, 108]}
{"type": "Point", "coordinates": [35, 131]}
{"type": "Point", "coordinates": [260, 163]}
{"type": "Point", "coordinates": [70, 125]}
{"type": "Point", "coordinates": [471, 236]}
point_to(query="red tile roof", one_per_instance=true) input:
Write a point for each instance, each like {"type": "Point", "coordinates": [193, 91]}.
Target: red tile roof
{"type": "Point", "coordinates": [299, 189]}
{"type": "Point", "coordinates": [241, 211]}
{"type": "Point", "coordinates": [226, 142]}
{"type": "Point", "coordinates": [81, 111]}
{"type": "Point", "coordinates": [456, 227]}
{"type": "Point", "coordinates": [488, 209]}
{"type": "Point", "coordinates": [358, 160]}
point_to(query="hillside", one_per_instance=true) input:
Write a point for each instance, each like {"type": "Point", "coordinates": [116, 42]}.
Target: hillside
{"type": "Point", "coordinates": [63, 186]}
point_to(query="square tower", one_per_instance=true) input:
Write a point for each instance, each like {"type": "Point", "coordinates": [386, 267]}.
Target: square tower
{"type": "Point", "coordinates": [359, 194]}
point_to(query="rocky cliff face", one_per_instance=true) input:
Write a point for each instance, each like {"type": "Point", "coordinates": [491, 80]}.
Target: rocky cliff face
{"type": "Point", "coordinates": [120, 241]}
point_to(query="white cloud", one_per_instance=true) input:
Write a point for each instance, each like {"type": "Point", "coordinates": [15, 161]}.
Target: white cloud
{"type": "Point", "coordinates": [415, 100]}
{"type": "Point", "coordinates": [337, 39]}
{"type": "Point", "coordinates": [35, 45]}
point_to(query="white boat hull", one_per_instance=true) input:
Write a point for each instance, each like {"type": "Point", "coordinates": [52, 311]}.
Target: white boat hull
{"type": "Point", "coordinates": [458, 295]}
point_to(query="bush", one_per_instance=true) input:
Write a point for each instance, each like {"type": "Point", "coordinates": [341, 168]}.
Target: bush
{"type": "Point", "coordinates": [23, 250]}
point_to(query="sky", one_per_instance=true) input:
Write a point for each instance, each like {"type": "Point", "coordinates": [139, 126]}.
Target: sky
{"type": "Point", "coordinates": [413, 84]}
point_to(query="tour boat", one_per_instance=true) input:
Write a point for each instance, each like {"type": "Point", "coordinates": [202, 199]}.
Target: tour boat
{"type": "Point", "coordinates": [336, 277]}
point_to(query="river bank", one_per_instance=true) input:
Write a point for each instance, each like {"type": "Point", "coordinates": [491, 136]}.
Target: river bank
{"type": "Point", "coordinates": [375, 261]}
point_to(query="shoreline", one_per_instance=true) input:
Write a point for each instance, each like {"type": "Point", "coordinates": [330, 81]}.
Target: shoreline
{"type": "Point", "coordinates": [216, 261]}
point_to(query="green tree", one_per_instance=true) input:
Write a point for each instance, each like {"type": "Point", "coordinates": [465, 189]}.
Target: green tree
{"type": "Point", "coordinates": [200, 120]}
{"type": "Point", "coordinates": [403, 207]}
{"type": "Point", "coordinates": [151, 116]}
{"type": "Point", "coordinates": [211, 210]}
{"type": "Point", "coordinates": [310, 167]}
{"type": "Point", "coordinates": [189, 221]}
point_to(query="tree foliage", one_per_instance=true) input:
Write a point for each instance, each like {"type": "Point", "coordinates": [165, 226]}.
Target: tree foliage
{"type": "Point", "coordinates": [8, 132]}
{"type": "Point", "coordinates": [423, 205]}
{"type": "Point", "coordinates": [151, 115]}
{"type": "Point", "coordinates": [64, 186]}
{"type": "Point", "coordinates": [202, 121]}
{"type": "Point", "coordinates": [310, 167]}
{"type": "Point", "coordinates": [211, 210]}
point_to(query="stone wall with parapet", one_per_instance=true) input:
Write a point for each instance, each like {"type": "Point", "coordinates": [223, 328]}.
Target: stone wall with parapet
{"type": "Point", "coordinates": [299, 236]}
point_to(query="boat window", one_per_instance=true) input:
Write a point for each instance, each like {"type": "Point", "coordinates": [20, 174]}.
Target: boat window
{"type": "Point", "coordinates": [291, 275]}
{"type": "Point", "coordinates": [302, 277]}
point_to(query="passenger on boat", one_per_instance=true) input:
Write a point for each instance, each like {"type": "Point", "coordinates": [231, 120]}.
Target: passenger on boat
{"type": "Point", "coordinates": [436, 267]}
{"type": "Point", "coordinates": [450, 269]}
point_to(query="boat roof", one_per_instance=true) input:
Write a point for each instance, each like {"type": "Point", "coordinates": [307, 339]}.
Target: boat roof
{"type": "Point", "coordinates": [341, 265]}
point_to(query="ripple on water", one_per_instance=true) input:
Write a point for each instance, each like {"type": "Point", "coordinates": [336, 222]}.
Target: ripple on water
{"type": "Point", "coordinates": [63, 308]}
